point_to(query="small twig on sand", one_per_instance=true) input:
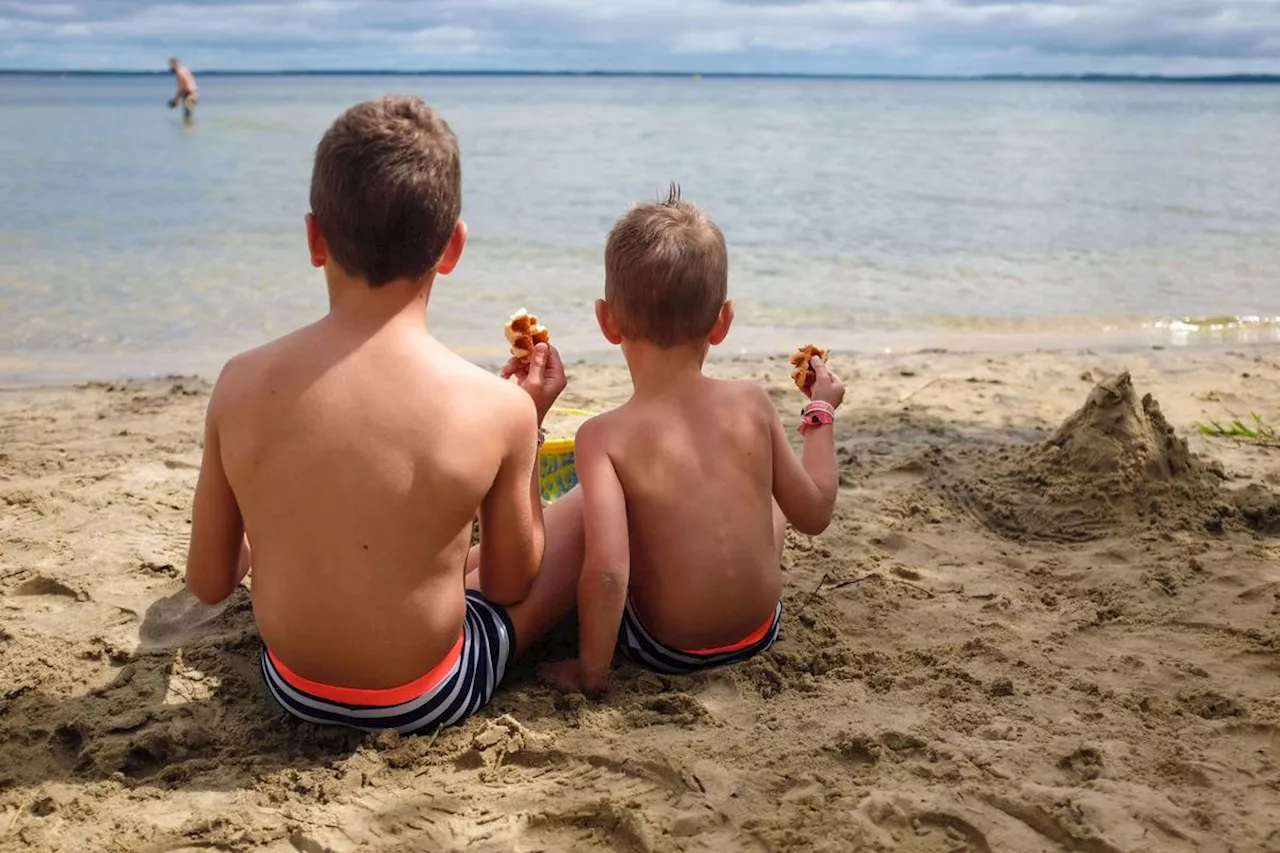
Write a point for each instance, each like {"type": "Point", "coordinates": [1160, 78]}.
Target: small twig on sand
{"type": "Point", "coordinates": [874, 576]}
{"type": "Point", "coordinates": [869, 576]}
{"type": "Point", "coordinates": [430, 744]}
{"type": "Point", "coordinates": [296, 818]}
{"type": "Point", "coordinates": [16, 814]}
{"type": "Point", "coordinates": [916, 587]}
{"type": "Point", "coordinates": [825, 577]}
{"type": "Point", "coordinates": [921, 388]}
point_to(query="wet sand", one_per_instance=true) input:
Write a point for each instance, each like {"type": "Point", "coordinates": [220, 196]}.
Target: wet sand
{"type": "Point", "coordinates": [1046, 618]}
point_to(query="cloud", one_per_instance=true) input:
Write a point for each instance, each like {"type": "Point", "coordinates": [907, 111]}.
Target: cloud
{"type": "Point", "coordinates": [896, 36]}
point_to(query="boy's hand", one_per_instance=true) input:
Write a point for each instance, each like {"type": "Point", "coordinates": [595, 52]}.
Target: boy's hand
{"type": "Point", "coordinates": [542, 376]}
{"type": "Point", "coordinates": [566, 676]}
{"type": "Point", "coordinates": [826, 387]}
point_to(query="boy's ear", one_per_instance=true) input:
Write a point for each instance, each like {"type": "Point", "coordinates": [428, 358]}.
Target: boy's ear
{"type": "Point", "coordinates": [720, 330]}
{"type": "Point", "coordinates": [608, 326]}
{"type": "Point", "coordinates": [315, 242]}
{"type": "Point", "coordinates": [453, 251]}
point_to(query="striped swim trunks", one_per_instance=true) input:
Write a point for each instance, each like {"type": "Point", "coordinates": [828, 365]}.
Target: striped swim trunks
{"type": "Point", "coordinates": [641, 647]}
{"type": "Point", "coordinates": [455, 689]}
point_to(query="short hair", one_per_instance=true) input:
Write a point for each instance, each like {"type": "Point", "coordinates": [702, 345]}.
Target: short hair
{"type": "Point", "coordinates": [666, 272]}
{"type": "Point", "coordinates": [386, 189]}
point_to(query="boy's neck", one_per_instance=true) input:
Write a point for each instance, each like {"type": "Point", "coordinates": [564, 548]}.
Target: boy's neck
{"type": "Point", "coordinates": [655, 370]}
{"type": "Point", "coordinates": [352, 301]}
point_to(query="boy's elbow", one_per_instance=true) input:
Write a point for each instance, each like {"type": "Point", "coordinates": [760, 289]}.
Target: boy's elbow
{"type": "Point", "coordinates": [506, 594]}
{"type": "Point", "coordinates": [512, 588]}
{"type": "Point", "coordinates": [607, 577]}
{"type": "Point", "coordinates": [810, 527]}
{"type": "Point", "coordinates": [814, 523]}
{"type": "Point", "coordinates": [208, 593]}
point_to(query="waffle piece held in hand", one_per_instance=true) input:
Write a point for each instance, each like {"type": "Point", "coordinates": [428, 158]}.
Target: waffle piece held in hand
{"type": "Point", "coordinates": [801, 369]}
{"type": "Point", "coordinates": [524, 333]}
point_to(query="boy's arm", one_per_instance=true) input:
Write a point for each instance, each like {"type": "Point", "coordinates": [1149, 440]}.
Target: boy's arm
{"type": "Point", "coordinates": [602, 589]}
{"type": "Point", "coordinates": [511, 531]}
{"type": "Point", "coordinates": [218, 555]}
{"type": "Point", "coordinates": [512, 536]}
{"type": "Point", "coordinates": [806, 490]}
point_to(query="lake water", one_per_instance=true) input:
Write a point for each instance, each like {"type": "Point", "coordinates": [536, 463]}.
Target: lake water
{"type": "Point", "coordinates": [863, 214]}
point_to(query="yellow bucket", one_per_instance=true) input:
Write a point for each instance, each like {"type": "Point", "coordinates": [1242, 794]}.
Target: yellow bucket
{"type": "Point", "coordinates": [557, 471]}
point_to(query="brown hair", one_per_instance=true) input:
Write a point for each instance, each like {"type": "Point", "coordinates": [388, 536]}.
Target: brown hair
{"type": "Point", "coordinates": [386, 189]}
{"type": "Point", "coordinates": [666, 272]}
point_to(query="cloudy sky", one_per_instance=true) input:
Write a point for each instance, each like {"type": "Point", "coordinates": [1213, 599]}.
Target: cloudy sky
{"type": "Point", "coordinates": [843, 36]}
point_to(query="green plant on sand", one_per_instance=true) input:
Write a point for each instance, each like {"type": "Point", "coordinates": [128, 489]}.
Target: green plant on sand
{"type": "Point", "coordinates": [1259, 432]}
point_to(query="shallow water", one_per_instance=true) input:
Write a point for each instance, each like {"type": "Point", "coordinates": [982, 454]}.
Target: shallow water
{"type": "Point", "coordinates": [862, 214]}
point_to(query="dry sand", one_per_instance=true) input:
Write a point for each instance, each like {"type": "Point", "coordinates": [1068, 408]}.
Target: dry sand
{"type": "Point", "coordinates": [1018, 635]}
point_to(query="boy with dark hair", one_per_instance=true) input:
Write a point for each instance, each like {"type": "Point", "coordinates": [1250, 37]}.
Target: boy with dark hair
{"type": "Point", "coordinates": [686, 486]}
{"type": "Point", "coordinates": [355, 452]}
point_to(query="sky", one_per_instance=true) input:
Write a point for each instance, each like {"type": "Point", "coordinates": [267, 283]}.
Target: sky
{"type": "Point", "coordinates": [805, 36]}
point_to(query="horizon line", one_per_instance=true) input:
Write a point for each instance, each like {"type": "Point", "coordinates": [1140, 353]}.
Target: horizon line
{"type": "Point", "coordinates": [758, 75]}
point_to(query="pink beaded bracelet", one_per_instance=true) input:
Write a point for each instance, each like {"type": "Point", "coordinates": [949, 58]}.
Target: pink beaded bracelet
{"type": "Point", "coordinates": [815, 414]}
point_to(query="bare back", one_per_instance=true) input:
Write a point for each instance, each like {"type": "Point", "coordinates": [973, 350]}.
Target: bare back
{"type": "Point", "coordinates": [186, 80]}
{"type": "Point", "coordinates": [696, 470]}
{"type": "Point", "coordinates": [344, 457]}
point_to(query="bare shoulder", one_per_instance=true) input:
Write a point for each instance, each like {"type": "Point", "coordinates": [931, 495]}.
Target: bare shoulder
{"type": "Point", "coordinates": [244, 369]}
{"type": "Point", "coordinates": [244, 375]}
{"type": "Point", "coordinates": [492, 390]}
{"type": "Point", "coordinates": [455, 381]}
{"type": "Point", "coordinates": [503, 391]}
{"type": "Point", "coordinates": [744, 393]}
{"type": "Point", "coordinates": [237, 379]}
{"type": "Point", "coordinates": [466, 388]}
{"type": "Point", "coordinates": [596, 435]}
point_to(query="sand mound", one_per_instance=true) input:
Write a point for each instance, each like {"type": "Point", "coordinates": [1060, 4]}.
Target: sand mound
{"type": "Point", "coordinates": [1114, 466]}
{"type": "Point", "coordinates": [1115, 433]}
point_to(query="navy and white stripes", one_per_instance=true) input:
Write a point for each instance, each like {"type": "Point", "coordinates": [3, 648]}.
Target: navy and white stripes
{"type": "Point", "coordinates": [488, 639]}
{"type": "Point", "coordinates": [641, 647]}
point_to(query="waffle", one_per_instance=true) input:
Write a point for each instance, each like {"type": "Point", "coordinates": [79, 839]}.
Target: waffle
{"type": "Point", "coordinates": [524, 332]}
{"type": "Point", "coordinates": [801, 371]}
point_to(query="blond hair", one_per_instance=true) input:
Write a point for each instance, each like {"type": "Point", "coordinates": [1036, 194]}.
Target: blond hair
{"type": "Point", "coordinates": [666, 272]}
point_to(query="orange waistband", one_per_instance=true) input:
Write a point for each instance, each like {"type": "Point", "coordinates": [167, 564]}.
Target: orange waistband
{"type": "Point", "coordinates": [377, 697]}
{"type": "Point", "coordinates": [750, 640]}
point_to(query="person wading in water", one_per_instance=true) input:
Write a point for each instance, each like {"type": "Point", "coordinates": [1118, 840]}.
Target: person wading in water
{"type": "Point", "coordinates": [187, 95]}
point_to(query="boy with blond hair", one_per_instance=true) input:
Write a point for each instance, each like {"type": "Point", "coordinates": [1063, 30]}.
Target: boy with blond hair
{"type": "Point", "coordinates": [355, 452]}
{"type": "Point", "coordinates": [686, 486]}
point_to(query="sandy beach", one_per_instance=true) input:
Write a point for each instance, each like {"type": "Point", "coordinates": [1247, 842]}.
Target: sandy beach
{"type": "Point", "coordinates": [1046, 618]}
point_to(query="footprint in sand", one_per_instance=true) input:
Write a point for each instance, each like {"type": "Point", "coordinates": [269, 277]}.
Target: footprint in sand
{"type": "Point", "coordinates": [1212, 706]}
{"type": "Point", "coordinates": [931, 826]}
{"type": "Point", "coordinates": [857, 749]}
{"type": "Point", "coordinates": [594, 800]}
{"type": "Point", "coordinates": [541, 797]}
{"type": "Point", "coordinates": [955, 832]}
{"type": "Point", "coordinates": [43, 586]}
{"type": "Point", "coordinates": [1083, 765]}
{"type": "Point", "coordinates": [666, 709]}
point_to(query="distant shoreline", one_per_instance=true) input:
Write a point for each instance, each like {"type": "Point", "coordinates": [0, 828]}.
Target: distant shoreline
{"type": "Point", "coordinates": [1265, 79]}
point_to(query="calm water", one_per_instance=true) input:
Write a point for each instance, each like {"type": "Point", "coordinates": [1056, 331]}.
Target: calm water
{"type": "Point", "coordinates": [864, 214]}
